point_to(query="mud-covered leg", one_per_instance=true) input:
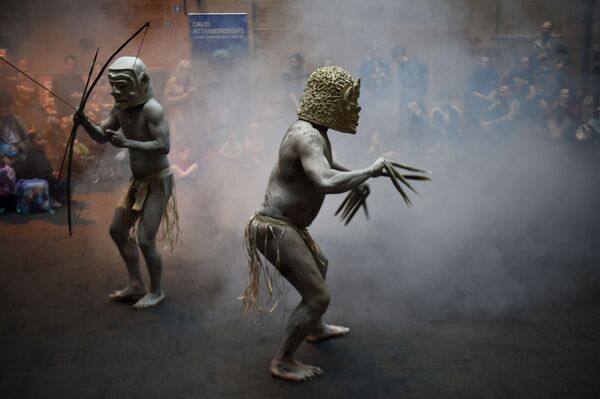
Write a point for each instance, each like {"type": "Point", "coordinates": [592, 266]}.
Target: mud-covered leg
{"type": "Point", "coordinates": [299, 268]}
{"type": "Point", "coordinates": [323, 330]}
{"type": "Point", "coordinates": [119, 229]}
{"type": "Point", "coordinates": [152, 214]}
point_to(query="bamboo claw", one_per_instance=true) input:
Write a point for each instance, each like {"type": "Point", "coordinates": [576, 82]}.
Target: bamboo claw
{"type": "Point", "coordinates": [417, 177]}
{"type": "Point", "coordinates": [403, 180]}
{"type": "Point", "coordinates": [352, 215]}
{"type": "Point", "coordinates": [343, 203]}
{"type": "Point", "coordinates": [355, 209]}
{"type": "Point", "coordinates": [397, 185]}
{"type": "Point", "coordinates": [350, 205]}
{"type": "Point", "coordinates": [406, 167]}
{"type": "Point", "coordinates": [364, 205]}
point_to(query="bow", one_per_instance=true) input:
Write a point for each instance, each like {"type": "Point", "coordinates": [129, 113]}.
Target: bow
{"type": "Point", "coordinates": [68, 155]}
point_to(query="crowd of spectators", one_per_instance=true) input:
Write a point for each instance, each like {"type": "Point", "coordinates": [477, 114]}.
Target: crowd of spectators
{"type": "Point", "coordinates": [33, 133]}
{"type": "Point", "coordinates": [534, 95]}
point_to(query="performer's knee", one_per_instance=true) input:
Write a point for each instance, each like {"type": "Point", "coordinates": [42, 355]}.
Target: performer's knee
{"type": "Point", "coordinates": [319, 302]}
{"type": "Point", "coordinates": [118, 232]}
{"type": "Point", "coordinates": [146, 241]}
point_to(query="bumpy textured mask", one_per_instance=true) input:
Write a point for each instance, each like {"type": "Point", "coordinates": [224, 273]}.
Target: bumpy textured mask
{"type": "Point", "coordinates": [330, 99]}
{"type": "Point", "coordinates": [130, 82]}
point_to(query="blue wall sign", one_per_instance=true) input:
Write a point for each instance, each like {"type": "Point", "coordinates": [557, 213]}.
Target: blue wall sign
{"type": "Point", "coordinates": [216, 33]}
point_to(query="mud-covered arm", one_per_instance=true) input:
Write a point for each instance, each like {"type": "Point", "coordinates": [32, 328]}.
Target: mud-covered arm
{"type": "Point", "coordinates": [157, 127]}
{"type": "Point", "coordinates": [95, 131]}
{"type": "Point", "coordinates": [329, 180]}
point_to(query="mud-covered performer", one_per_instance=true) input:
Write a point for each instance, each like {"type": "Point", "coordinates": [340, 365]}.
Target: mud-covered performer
{"type": "Point", "coordinates": [304, 173]}
{"type": "Point", "coordinates": [137, 122]}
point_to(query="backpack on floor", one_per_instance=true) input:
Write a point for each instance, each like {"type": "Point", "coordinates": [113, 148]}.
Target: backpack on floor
{"type": "Point", "coordinates": [32, 196]}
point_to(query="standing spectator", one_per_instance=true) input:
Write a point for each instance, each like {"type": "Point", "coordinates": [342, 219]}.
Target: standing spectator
{"type": "Point", "coordinates": [481, 86]}
{"type": "Point", "coordinates": [68, 85]}
{"type": "Point", "coordinates": [294, 79]}
{"type": "Point", "coordinates": [500, 117]}
{"type": "Point", "coordinates": [413, 77]}
{"type": "Point", "coordinates": [550, 56]}
{"type": "Point", "coordinates": [563, 115]}
{"type": "Point", "coordinates": [375, 74]}
{"type": "Point", "coordinates": [376, 89]}
{"type": "Point", "coordinates": [181, 97]}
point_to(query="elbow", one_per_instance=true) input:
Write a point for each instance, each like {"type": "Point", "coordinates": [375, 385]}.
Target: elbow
{"type": "Point", "coordinates": [324, 185]}
{"type": "Point", "coordinates": [327, 186]}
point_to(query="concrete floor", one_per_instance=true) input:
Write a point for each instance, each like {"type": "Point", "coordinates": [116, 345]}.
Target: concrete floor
{"type": "Point", "coordinates": [61, 338]}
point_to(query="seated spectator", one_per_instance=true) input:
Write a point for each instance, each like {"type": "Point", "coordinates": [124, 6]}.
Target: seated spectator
{"type": "Point", "coordinates": [183, 165]}
{"type": "Point", "coordinates": [446, 119]}
{"type": "Point", "coordinates": [500, 117]}
{"type": "Point", "coordinates": [563, 115]}
{"type": "Point", "coordinates": [519, 76]}
{"type": "Point", "coordinates": [481, 92]}
{"type": "Point", "coordinates": [232, 147]}
{"type": "Point", "coordinates": [13, 132]}
{"type": "Point", "coordinates": [38, 167]}
{"type": "Point", "coordinates": [254, 144]}
{"type": "Point", "coordinates": [55, 136]}
{"type": "Point", "coordinates": [68, 85]}
{"type": "Point", "coordinates": [588, 131]}
{"type": "Point", "coordinates": [294, 79]}
{"type": "Point", "coordinates": [8, 197]}
{"type": "Point", "coordinates": [417, 123]}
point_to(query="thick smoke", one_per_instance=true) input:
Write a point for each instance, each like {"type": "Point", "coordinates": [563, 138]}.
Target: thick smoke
{"type": "Point", "coordinates": [502, 226]}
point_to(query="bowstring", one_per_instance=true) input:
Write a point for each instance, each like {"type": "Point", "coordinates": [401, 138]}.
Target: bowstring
{"type": "Point", "coordinates": [104, 146]}
{"type": "Point", "coordinates": [139, 49]}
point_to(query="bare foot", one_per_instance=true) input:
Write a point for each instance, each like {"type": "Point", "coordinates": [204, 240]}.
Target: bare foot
{"type": "Point", "coordinates": [149, 300]}
{"type": "Point", "coordinates": [293, 370]}
{"type": "Point", "coordinates": [129, 293]}
{"type": "Point", "coordinates": [327, 331]}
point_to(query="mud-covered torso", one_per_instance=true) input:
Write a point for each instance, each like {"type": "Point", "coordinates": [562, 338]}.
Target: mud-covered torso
{"type": "Point", "coordinates": [290, 194]}
{"type": "Point", "coordinates": [135, 127]}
